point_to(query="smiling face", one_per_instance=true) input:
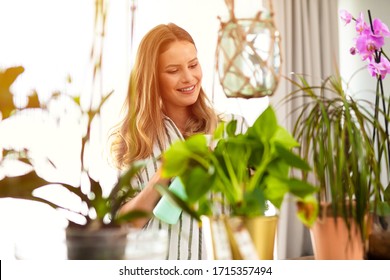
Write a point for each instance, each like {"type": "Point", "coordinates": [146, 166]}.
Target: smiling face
{"type": "Point", "coordinates": [180, 76]}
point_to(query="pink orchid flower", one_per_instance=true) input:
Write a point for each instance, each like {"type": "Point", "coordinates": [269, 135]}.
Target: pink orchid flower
{"type": "Point", "coordinates": [345, 16]}
{"type": "Point", "coordinates": [380, 28]}
{"type": "Point", "coordinates": [361, 25]}
{"type": "Point", "coordinates": [366, 45]}
{"type": "Point", "coordinates": [379, 69]}
{"type": "Point", "coordinates": [369, 43]}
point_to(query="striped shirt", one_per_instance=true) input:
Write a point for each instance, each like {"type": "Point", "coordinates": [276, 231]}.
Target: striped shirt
{"type": "Point", "coordinates": [185, 239]}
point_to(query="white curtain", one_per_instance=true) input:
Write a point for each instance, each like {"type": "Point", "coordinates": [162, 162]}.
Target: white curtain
{"type": "Point", "coordinates": [309, 38]}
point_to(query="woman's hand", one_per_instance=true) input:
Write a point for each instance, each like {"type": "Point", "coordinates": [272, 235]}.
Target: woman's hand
{"type": "Point", "coordinates": [146, 200]}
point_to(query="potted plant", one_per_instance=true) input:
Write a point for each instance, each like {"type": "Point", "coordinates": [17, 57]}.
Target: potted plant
{"type": "Point", "coordinates": [100, 232]}
{"type": "Point", "coordinates": [250, 170]}
{"type": "Point", "coordinates": [369, 46]}
{"type": "Point", "coordinates": [98, 228]}
{"type": "Point", "coordinates": [345, 141]}
{"type": "Point", "coordinates": [335, 133]}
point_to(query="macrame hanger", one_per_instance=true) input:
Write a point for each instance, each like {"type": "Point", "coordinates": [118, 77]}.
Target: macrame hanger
{"type": "Point", "coordinates": [230, 6]}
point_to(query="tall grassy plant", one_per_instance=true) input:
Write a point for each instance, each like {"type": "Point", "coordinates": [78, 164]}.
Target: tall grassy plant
{"type": "Point", "coordinates": [335, 133]}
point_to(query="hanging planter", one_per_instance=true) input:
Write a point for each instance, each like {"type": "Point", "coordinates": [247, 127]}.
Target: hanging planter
{"type": "Point", "coordinates": [248, 55]}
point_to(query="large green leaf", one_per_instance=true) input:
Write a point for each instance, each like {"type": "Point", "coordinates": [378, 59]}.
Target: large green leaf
{"type": "Point", "coordinates": [197, 183]}
{"type": "Point", "coordinates": [278, 168]}
{"type": "Point", "coordinates": [197, 144]}
{"type": "Point", "coordinates": [124, 189]}
{"type": "Point", "coordinates": [283, 138]}
{"type": "Point", "coordinates": [301, 188]}
{"type": "Point", "coordinates": [276, 190]}
{"type": "Point", "coordinates": [264, 126]}
{"type": "Point", "coordinates": [24, 186]}
{"type": "Point", "coordinates": [291, 158]}
{"type": "Point", "coordinates": [175, 160]}
{"type": "Point", "coordinates": [231, 128]}
{"type": "Point", "coordinates": [219, 131]}
{"type": "Point", "coordinates": [21, 186]}
{"type": "Point", "coordinates": [96, 199]}
{"type": "Point", "coordinates": [253, 204]}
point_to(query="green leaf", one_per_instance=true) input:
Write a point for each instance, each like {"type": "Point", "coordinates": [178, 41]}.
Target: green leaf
{"type": "Point", "coordinates": [175, 160]}
{"type": "Point", "coordinates": [21, 186]}
{"type": "Point", "coordinates": [131, 216]}
{"type": "Point", "coordinates": [301, 188]}
{"type": "Point", "coordinates": [96, 189]}
{"type": "Point", "coordinates": [97, 201]}
{"type": "Point", "coordinates": [283, 138]}
{"type": "Point", "coordinates": [219, 131]}
{"type": "Point", "coordinates": [387, 194]}
{"type": "Point", "coordinates": [124, 189]}
{"type": "Point", "coordinates": [254, 204]}
{"type": "Point", "coordinates": [278, 168]}
{"type": "Point", "coordinates": [307, 210]}
{"type": "Point", "coordinates": [33, 101]}
{"type": "Point", "coordinates": [264, 126]}
{"type": "Point", "coordinates": [197, 183]}
{"type": "Point", "coordinates": [197, 144]}
{"type": "Point", "coordinates": [291, 158]}
{"type": "Point", "coordinates": [182, 155]}
{"type": "Point", "coordinates": [125, 179]}
{"type": "Point", "coordinates": [231, 128]}
{"type": "Point", "coordinates": [276, 190]}
{"type": "Point", "coordinates": [7, 78]}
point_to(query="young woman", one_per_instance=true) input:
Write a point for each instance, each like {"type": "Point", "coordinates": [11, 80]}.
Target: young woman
{"type": "Point", "coordinates": [165, 103]}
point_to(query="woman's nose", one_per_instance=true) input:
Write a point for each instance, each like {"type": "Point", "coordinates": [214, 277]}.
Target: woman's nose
{"type": "Point", "coordinates": [187, 76]}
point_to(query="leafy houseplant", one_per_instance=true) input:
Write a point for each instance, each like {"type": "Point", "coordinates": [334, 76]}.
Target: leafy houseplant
{"type": "Point", "coordinates": [98, 211]}
{"type": "Point", "coordinates": [95, 226]}
{"type": "Point", "coordinates": [249, 169]}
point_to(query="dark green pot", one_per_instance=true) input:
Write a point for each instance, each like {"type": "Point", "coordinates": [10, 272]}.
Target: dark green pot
{"type": "Point", "coordinates": [102, 244]}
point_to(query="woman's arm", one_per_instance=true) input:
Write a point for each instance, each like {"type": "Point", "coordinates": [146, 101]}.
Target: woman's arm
{"type": "Point", "coordinates": [146, 200]}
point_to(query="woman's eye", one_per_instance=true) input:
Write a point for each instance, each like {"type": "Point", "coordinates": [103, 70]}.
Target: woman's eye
{"type": "Point", "coordinates": [193, 65]}
{"type": "Point", "coordinates": [172, 71]}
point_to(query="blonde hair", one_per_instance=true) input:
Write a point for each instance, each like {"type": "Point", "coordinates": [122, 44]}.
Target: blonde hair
{"type": "Point", "coordinates": [143, 125]}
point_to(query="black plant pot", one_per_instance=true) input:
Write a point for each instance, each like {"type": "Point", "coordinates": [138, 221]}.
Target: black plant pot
{"type": "Point", "coordinates": [379, 239]}
{"type": "Point", "coordinates": [102, 244]}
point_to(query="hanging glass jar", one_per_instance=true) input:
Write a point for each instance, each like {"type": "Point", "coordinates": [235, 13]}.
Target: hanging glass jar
{"type": "Point", "coordinates": [248, 56]}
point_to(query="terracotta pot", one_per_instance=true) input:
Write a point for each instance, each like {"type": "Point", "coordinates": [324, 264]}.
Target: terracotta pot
{"type": "Point", "coordinates": [332, 240]}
